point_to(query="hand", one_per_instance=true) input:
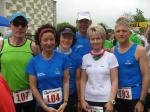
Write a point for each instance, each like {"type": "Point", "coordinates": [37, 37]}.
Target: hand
{"type": "Point", "coordinates": [79, 106]}
{"type": "Point", "coordinates": [50, 109]}
{"type": "Point", "coordinates": [84, 105]}
{"type": "Point", "coordinates": [109, 107]}
{"type": "Point", "coordinates": [139, 107]}
{"type": "Point", "coordinates": [62, 107]}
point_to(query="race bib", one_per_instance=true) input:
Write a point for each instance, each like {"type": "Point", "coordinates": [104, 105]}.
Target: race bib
{"type": "Point", "coordinates": [95, 109]}
{"type": "Point", "coordinates": [23, 96]}
{"type": "Point", "coordinates": [125, 93]}
{"type": "Point", "coordinates": [52, 96]}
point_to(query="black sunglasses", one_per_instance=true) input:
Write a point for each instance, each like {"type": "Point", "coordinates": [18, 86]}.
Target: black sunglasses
{"type": "Point", "coordinates": [20, 23]}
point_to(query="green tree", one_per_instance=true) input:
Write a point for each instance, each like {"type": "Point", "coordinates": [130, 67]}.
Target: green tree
{"type": "Point", "coordinates": [139, 17]}
{"type": "Point", "coordinates": [61, 25]}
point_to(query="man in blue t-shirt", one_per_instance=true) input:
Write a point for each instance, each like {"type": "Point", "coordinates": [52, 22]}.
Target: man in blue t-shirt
{"type": "Point", "coordinates": [82, 45]}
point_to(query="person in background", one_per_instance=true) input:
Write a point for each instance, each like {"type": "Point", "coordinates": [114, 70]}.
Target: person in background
{"type": "Point", "coordinates": [147, 35]}
{"type": "Point", "coordinates": [6, 102]}
{"type": "Point", "coordinates": [15, 52]}
{"type": "Point", "coordinates": [99, 76]}
{"type": "Point", "coordinates": [66, 39]}
{"type": "Point", "coordinates": [132, 71]}
{"type": "Point", "coordinates": [48, 73]}
{"type": "Point", "coordinates": [82, 45]}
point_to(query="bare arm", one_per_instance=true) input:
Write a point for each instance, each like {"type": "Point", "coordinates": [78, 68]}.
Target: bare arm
{"type": "Point", "coordinates": [66, 84]}
{"type": "Point", "coordinates": [66, 90]}
{"type": "Point", "coordinates": [114, 82]}
{"type": "Point", "coordinates": [38, 97]}
{"type": "Point", "coordinates": [35, 48]}
{"type": "Point", "coordinates": [78, 72]}
{"type": "Point", "coordinates": [83, 82]}
{"type": "Point", "coordinates": [1, 44]}
{"type": "Point", "coordinates": [141, 55]}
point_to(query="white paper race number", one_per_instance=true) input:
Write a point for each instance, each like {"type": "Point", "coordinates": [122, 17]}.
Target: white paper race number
{"type": "Point", "coordinates": [95, 109]}
{"type": "Point", "coordinates": [23, 96]}
{"type": "Point", "coordinates": [52, 96]}
{"type": "Point", "coordinates": [124, 93]}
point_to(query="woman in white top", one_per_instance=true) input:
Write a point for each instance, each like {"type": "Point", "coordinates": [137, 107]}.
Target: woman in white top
{"type": "Point", "coordinates": [99, 76]}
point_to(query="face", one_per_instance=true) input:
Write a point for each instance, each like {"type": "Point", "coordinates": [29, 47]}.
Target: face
{"type": "Point", "coordinates": [47, 41]}
{"type": "Point", "coordinates": [96, 42]}
{"type": "Point", "coordinates": [83, 25]}
{"type": "Point", "coordinates": [19, 27]}
{"type": "Point", "coordinates": [66, 41]}
{"type": "Point", "coordinates": [122, 33]}
{"type": "Point", "coordinates": [18, 31]}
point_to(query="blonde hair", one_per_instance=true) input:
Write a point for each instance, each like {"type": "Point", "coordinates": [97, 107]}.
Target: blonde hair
{"type": "Point", "coordinates": [97, 29]}
{"type": "Point", "coordinates": [122, 18]}
{"type": "Point", "coordinates": [122, 21]}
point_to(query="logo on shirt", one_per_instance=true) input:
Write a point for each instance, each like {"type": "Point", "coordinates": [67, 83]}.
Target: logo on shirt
{"type": "Point", "coordinates": [41, 74]}
{"type": "Point", "coordinates": [88, 65]}
{"type": "Point", "coordinates": [79, 46]}
{"type": "Point", "coordinates": [128, 62]}
{"type": "Point", "coordinates": [57, 71]}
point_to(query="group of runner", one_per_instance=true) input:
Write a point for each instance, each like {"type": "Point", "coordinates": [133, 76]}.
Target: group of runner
{"type": "Point", "coordinates": [69, 71]}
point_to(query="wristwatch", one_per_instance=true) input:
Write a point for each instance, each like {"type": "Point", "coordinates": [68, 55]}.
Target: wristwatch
{"type": "Point", "coordinates": [112, 101]}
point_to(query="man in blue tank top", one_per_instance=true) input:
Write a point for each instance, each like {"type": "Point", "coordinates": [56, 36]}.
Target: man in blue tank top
{"type": "Point", "coordinates": [82, 45]}
{"type": "Point", "coordinates": [132, 72]}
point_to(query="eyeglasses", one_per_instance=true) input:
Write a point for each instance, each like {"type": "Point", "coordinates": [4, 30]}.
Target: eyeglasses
{"type": "Point", "coordinates": [19, 23]}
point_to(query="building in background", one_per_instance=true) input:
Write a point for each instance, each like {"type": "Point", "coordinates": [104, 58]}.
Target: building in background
{"type": "Point", "coordinates": [38, 11]}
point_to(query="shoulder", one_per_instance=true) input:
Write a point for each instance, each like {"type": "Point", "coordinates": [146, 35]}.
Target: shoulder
{"type": "Point", "coordinates": [35, 48]}
{"type": "Point", "coordinates": [109, 54]}
{"type": "Point", "coordinates": [86, 56]}
{"type": "Point", "coordinates": [140, 49]}
{"type": "Point", "coordinates": [1, 44]}
{"type": "Point", "coordinates": [140, 52]}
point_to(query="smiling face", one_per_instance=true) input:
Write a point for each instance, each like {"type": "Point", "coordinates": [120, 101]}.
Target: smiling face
{"type": "Point", "coordinates": [83, 25]}
{"type": "Point", "coordinates": [96, 36]}
{"type": "Point", "coordinates": [66, 41]}
{"type": "Point", "coordinates": [96, 42]}
{"type": "Point", "coordinates": [122, 33]}
{"type": "Point", "coordinates": [47, 41]}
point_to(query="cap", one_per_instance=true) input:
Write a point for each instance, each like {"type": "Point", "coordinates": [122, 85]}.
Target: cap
{"type": "Point", "coordinates": [83, 15]}
{"type": "Point", "coordinates": [67, 31]}
{"type": "Point", "coordinates": [18, 14]}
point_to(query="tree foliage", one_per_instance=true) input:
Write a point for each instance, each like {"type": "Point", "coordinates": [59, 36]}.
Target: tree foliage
{"type": "Point", "coordinates": [61, 25]}
{"type": "Point", "coordinates": [139, 17]}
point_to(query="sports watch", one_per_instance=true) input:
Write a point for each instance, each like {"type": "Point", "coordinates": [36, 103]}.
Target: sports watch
{"type": "Point", "coordinates": [112, 101]}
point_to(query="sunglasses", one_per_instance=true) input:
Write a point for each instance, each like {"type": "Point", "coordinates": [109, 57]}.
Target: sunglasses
{"type": "Point", "coordinates": [19, 23]}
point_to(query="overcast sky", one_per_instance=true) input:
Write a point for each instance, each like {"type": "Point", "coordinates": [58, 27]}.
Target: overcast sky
{"type": "Point", "coordinates": [106, 11]}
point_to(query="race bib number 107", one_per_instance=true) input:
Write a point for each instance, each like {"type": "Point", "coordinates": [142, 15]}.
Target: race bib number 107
{"type": "Point", "coordinates": [23, 96]}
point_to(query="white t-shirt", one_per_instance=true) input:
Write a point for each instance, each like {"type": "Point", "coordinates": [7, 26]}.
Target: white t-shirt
{"type": "Point", "coordinates": [98, 86]}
